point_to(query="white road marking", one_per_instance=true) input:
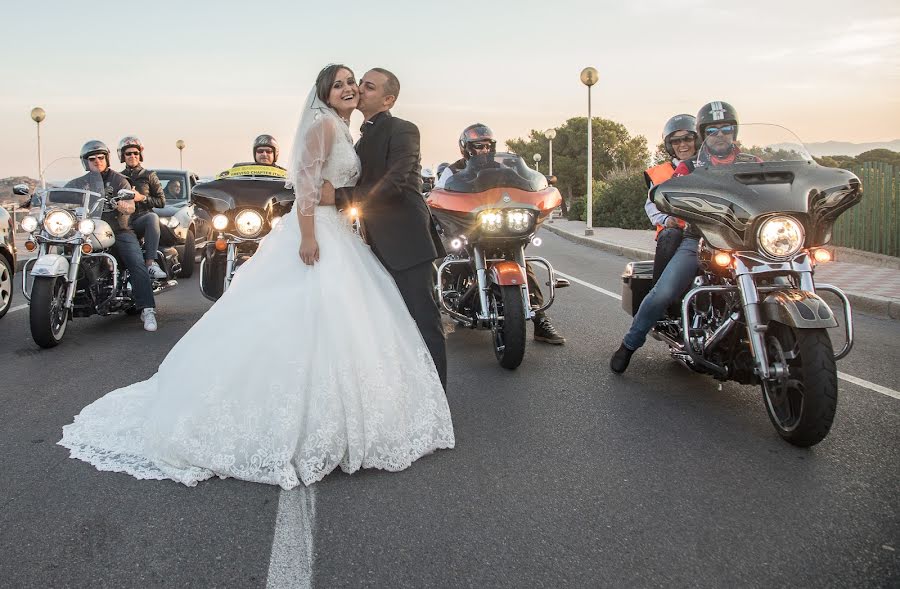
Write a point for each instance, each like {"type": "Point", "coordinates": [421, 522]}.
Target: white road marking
{"type": "Point", "coordinates": [869, 385]}
{"type": "Point", "coordinates": [591, 286]}
{"type": "Point", "coordinates": [842, 375]}
{"type": "Point", "coordinates": [290, 564]}
{"type": "Point", "coordinates": [19, 308]}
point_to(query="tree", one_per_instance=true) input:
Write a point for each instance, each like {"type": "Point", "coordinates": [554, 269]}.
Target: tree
{"type": "Point", "coordinates": [613, 146]}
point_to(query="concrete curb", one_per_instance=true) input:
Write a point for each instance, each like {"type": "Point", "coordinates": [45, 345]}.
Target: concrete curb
{"type": "Point", "coordinates": [870, 304]}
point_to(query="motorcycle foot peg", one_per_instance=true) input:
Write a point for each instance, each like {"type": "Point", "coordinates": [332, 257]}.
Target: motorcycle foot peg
{"type": "Point", "coordinates": [560, 283]}
{"type": "Point", "coordinates": [760, 328]}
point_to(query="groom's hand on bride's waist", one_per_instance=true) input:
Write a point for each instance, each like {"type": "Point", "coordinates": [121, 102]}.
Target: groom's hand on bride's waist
{"type": "Point", "coordinates": [343, 197]}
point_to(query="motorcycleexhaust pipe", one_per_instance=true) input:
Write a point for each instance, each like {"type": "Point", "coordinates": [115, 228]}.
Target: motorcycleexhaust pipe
{"type": "Point", "coordinates": [720, 333]}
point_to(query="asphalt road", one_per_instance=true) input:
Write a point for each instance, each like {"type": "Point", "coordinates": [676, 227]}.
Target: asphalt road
{"type": "Point", "coordinates": [564, 474]}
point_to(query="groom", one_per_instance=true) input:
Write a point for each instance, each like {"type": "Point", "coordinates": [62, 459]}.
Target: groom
{"type": "Point", "coordinates": [395, 219]}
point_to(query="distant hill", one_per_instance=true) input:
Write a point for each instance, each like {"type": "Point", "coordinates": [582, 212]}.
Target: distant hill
{"type": "Point", "coordinates": [846, 148]}
{"type": "Point", "coordinates": [6, 188]}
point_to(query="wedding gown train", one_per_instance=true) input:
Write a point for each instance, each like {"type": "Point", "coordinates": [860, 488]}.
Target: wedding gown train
{"type": "Point", "coordinates": [295, 371]}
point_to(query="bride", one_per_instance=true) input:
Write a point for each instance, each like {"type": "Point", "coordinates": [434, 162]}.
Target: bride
{"type": "Point", "coordinates": [323, 366]}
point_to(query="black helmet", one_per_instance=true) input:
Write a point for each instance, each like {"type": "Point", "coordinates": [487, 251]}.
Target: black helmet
{"type": "Point", "coordinates": [130, 141]}
{"type": "Point", "coordinates": [93, 147]}
{"type": "Point", "coordinates": [714, 113]}
{"type": "Point", "coordinates": [473, 133]}
{"type": "Point", "coordinates": [266, 141]}
{"type": "Point", "coordinates": [680, 123]}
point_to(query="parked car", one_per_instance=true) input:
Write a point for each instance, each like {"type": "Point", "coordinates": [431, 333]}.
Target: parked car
{"type": "Point", "coordinates": [184, 226]}
{"type": "Point", "coordinates": [7, 260]}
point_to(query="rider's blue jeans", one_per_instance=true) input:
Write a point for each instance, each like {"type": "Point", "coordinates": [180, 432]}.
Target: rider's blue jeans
{"type": "Point", "coordinates": [129, 251]}
{"type": "Point", "coordinates": [675, 280]}
{"type": "Point", "coordinates": [147, 228]}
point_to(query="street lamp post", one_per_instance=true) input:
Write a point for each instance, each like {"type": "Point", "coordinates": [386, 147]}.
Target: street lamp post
{"type": "Point", "coordinates": [550, 134]}
{"type": "Point", "coordinates": [537, 161]}
{"type": "Point", "coordinates": [589, 77]}
{"type": "Point", "coordinates": [180, 145]}
{"type": "Point", "coordinates": [37, 115]}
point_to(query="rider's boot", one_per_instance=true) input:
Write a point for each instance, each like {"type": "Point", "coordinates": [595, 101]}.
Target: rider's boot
{"type": "Point", "coordinates": [620, 359]}
{"type": "Point", "coordinates": [544, 331]}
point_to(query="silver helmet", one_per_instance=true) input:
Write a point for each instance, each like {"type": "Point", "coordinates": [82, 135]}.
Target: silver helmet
{"type": "Point", "coordinates": [93, 147]}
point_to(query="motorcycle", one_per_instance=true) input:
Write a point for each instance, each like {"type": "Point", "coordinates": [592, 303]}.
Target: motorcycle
{"type": "Point", "coordinates": [488, 213]}
{"type": "Point", "coordinates": [245, 203]}
{"type": "Point", "coordinates": [754, 314]}
{"type": "Point", "coordinates": [74, 274]}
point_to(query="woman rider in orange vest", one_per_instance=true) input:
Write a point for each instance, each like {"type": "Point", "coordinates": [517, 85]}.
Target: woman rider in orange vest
{"type": "Point", "coordinates": [681, 141]}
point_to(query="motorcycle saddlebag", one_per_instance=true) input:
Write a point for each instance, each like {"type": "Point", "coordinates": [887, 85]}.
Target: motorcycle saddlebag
{"type": "Point", "coordinates": [637, 280]}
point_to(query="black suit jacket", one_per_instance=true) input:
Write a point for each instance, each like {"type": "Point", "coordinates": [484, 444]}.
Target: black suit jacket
{"type": "Point", "coordinates": [396, 220]}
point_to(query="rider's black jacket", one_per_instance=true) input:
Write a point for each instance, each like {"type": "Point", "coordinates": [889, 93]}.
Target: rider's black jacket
{"type": "Point", "coordinates": [458, 165]}
{"type": "Point", "coordinates": [147, 183]}
{"type": "Point", "coordinates": [113, 182]}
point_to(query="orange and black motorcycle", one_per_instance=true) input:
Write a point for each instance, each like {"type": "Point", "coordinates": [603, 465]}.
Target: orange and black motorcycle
{"type": "Point", "coordinates": [488, 213]}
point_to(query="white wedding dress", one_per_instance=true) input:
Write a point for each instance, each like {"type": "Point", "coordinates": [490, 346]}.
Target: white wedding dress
{"type": "Point", "coordinates": [294, 371]}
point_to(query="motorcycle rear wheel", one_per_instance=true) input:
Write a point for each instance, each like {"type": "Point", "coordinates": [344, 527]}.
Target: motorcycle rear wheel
{"type": "Point", "coordinates": [47, 313]}
{"type": "Point", "coordinates": [802, 408]}
{"type": "Point", "coordinates": [509, 335]}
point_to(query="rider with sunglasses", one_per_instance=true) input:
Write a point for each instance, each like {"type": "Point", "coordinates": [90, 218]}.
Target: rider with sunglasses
{"type": "Point", "coordinates": [478, 139]}
{"type": "Point", "coordinates": [717, 126]}
{"type": "Point", "coordinates": [149, 195]}
{"type": "Point", "coordinates": [95, 159]}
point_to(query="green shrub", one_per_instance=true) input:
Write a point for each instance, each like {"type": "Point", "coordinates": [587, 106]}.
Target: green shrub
{"type": "Point", "coordinates": [619, 202]}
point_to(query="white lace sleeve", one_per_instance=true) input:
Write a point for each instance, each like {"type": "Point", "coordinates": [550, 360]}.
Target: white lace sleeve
{"type": "Point", "coordinates": [312, 151]}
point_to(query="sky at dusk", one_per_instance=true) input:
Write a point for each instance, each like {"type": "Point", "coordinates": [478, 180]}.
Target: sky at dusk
{"type": "Point", "coordinates": [216, 74]}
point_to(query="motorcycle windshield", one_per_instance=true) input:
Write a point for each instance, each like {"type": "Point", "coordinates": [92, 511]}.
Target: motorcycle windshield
{"type": "Point", "coordinates": [746, 173]}
{"type": "Point", "coordinates": [225, 194]}
{"type": "Point", "coordinates": [85, 190]}
{"type": "Point", "coordinates": [498, 170]}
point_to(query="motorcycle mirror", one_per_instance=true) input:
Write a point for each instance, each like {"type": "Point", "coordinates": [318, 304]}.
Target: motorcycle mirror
{"type": "Point", "coordinates": [551, 180]}
{"type": "Point", "coordinates": [125, 194]}
{"type": "Point", "coordinates": [20, 189]}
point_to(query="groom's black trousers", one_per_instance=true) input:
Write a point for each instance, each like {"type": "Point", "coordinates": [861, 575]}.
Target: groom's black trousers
{"type": "Point", "coordinates": [416, 285]}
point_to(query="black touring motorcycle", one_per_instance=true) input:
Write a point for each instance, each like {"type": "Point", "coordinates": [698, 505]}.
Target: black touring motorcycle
{"type": "Point", "coordinates": [245, 203]}
{"type": "Point", "coordinates": [754, 314]}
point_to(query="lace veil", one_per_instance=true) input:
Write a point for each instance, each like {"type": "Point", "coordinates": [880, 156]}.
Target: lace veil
{"type": "Point", "coordinates": [312, 144]}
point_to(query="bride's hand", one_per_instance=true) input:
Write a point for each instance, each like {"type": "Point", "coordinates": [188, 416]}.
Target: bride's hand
{"type": "Point", "coordinates": [309, 251]}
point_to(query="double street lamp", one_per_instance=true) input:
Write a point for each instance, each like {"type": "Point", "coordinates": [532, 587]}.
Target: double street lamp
{"type": "Point", "coordinates": [589, 77]}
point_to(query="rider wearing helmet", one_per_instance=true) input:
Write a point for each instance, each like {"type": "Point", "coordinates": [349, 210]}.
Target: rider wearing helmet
{"type": "Point", "coordinates": [681, 143]}
{"type": "Point", "coordinates": [149, 195]}
{"type": "Point", "coordinates": [717, 126]}
{"type": "Point", "coordinates": [475, 140]}
{"type": "Point", "coordinates": [265, 151]}
{"type": "Point", "coordinates": [95, 159]}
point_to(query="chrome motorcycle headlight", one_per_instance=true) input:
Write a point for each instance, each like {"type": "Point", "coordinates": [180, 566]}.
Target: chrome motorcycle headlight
{"type": "Point", "coordinates": [29, 224]}
{"type": "Point", "coordinates": [86, 226]}
{"type": "Point", "coordinates": [490, 221]}
{"type": "Point", "coordinates": [58, 222]}
{"type": "Point", "coordinates": [220, 222]}
{"type": "Point", "coordinates": [781, 237]}
{"type": "Point", "coordinates": [519, 220]}
{"type": "Point", "coordinates": [249, 223]}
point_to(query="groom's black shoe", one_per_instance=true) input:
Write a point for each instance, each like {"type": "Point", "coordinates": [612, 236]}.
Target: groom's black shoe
{"type": "Point", "coordinates": [619, 361]}
{"type": "Point", "coordinates": [545, 332]}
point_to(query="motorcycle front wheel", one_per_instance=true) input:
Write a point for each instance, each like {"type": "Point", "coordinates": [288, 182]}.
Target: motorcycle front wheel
{"type": "Point", "coordinates": [802, 407]}
{"type": "Point", "coordinates": [47, 312]}
{"type": "Point", "coordinates": [508, 333]}
{"type": "Point", "coordinates": [189, 258]}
